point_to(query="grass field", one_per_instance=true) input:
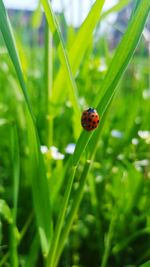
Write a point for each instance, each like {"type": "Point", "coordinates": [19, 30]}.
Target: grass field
{"type": "Point", "coordinates": [68, 197]}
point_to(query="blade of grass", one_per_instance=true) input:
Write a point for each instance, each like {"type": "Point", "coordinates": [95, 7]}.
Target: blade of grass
{"type": "Point", "coordinates": [117, 67]}
{"type": "Point", "coordinates": [16, 170]}
{"type": "Point", "coordinates": [38, 177]}
{"type": "Point", "coordinates": [108, 241]}
{"type": "Point", "coordinates": [55, 242]}
{"type": "Point", "coordinates": [4, 260]}
{"type": "Point", "coordinates": [33, 254]}
{"type": "Point", "coordinates": [40, 189]}
{"type": "Point", "coordinates": [12, 49]}
{"type": "Point", "coordinates": [116, 8]}
{"type": "Point", "coordinates": [62, 54]}
{"type": "Point", "coordinates": [125, 243]}
{"type": "Point", "coordinates": [22, 233]}
{"type": "Point", "coordinates": [146, 264]}
{"type": "Point", "coordinates": [79, 47]}
{"type": "Point", "coordinates": [71, 216]}
{"type": "Point", "coordinates": [5, 211]}
{"type": "Point", "coordinates": [48, 78]}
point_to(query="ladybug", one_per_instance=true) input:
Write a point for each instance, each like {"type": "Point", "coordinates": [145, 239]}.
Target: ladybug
{"type": "Point", "coordinates": [90, 119]}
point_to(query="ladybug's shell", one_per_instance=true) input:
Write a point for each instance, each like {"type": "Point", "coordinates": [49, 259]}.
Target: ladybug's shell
{"type": "Point", "coordinates": [90, 119]}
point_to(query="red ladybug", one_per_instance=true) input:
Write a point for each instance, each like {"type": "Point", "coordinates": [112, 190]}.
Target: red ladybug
{"type": "Point", "coordinates": [90, 119]}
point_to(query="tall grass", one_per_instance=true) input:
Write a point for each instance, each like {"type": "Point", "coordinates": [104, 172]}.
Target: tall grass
{"type": "Point", "coordinates": [52, 184]}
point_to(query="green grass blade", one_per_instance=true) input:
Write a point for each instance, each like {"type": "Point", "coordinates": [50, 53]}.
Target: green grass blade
{"type": "Point", "coordinates": [79, 47]}
{"type": "Point", "coordinates": [117, 67]}
{"type": "Point", "coordinates": [48, 79]}
{"type": "Point", "coordinates": [5, 211]}
{"type": "Point", "coordinates": [124, 244]}
{"type": "Point", "coordinates": [33, 254]}
{"type": "Point", "coordinates": [16, 173]}
{"type": "Point", "coordinates": [40, 189]}
{"type": "Point", "coordinates": [15, 168]}
{"type": "Point", "coordinates": [62, 54]}
{"type": "Point", "coordinates": [73, 211]}
{"type": "Point", "coordinates": [52, 256]}
{"type": "Point", "coordinates": [9, 41]}
{"type": "Point", "coordinates": [117, 7]}
{"type": "Point", "coordinates": [37, 173]}
{"type": "Point", "coordinates": [146, 264]}
{"type": "Point", "coordinates": [108, 241]}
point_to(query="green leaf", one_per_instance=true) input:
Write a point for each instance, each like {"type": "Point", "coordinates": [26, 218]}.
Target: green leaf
{"type": "Point", "coordinates": [116, 70]}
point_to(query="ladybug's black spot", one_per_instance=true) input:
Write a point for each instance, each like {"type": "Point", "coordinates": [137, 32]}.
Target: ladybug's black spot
{"type": "Point", "coordinates": [93, 116]}
{"type": "Point", "coordinates": [89, 119]}
{"type": "Point", "coordinates": [98, 121]}
{"type": "Point", "coordinates": [94, 122]}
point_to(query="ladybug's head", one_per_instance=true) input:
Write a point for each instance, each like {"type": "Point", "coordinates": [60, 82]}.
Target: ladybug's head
{"type": "Point", "coordinates": [91, 110]}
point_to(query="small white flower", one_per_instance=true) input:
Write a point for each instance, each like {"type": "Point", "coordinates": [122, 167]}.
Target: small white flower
{"type": "Point", "coordinates": [53, 149]}
{"type": "Point", "coordinates": [120, 157]}
{"type": "Point", "coordinates": [70, 148]}
{"type": "Point", "coordinates": [98, 179]}
{"type": "Point", "coordinates": [141, 163]}
{"type": "Point", "coordinates": [146, 94]}
{"type": "Point", "coordinates": [55, 153]}
{"type": "Point", "coordinates": [144, 134]}
{"type": "Point", "coordinates": [116, 134]}
{"type": "Point", "coordinates": [102, 67]}
{"type": "Point", "coordinates": [44, 149]}
{"type": "Point", "coordinates": [135, 141]}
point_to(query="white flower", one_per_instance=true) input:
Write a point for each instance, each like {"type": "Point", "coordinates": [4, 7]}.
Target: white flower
{"type": "Point", "coordinates": [102, 67]}
{"type": "Point", "coordinates": [120, 157]}
{"type": "Point", "coordinates": [53, 151]}
{"type": "Point", "coordinates": [44, 149]}
{"type": "Point", "coordinates": [116, 134]}
{"type": "Point", "coordinates": [146, 94]}
{"type": "Point", "coordinates": [70, 148]}
{"type": "Point", "coordinates": [141, 163]}
{"type": "Point", "coordinates": [144, 134]}
{"type": "Point", "coordinates": [135, 141]}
